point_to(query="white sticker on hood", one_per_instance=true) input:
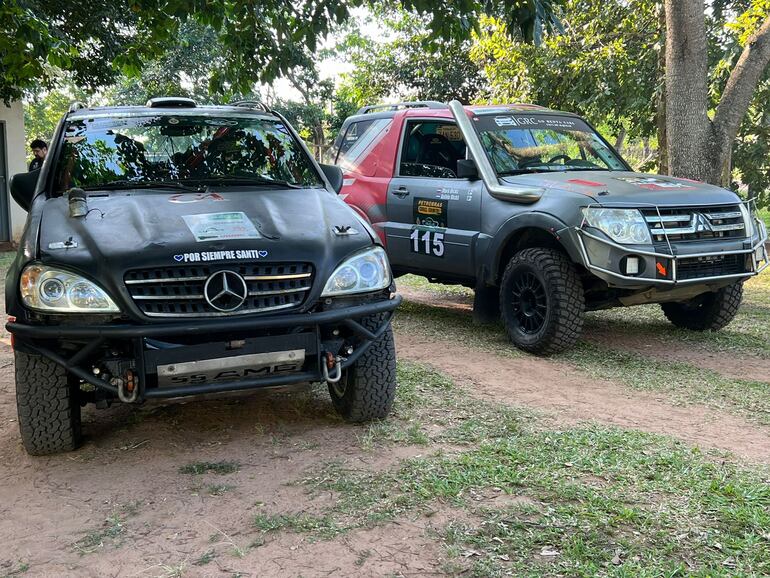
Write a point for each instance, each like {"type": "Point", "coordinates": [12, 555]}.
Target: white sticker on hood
{"type": "Point", "coordinates": [221, 226]}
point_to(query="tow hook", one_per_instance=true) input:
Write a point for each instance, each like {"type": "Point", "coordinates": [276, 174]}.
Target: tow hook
{"type": "Point", "coordinates": [332, 368]}
{"type": "Point", "coordinates": [128, 392]}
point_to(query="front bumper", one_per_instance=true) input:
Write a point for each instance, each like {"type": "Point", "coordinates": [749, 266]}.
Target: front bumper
{"type": "Point", "coordinates": [306, 328]}
{"type": "Point", "coordinates": [603, 257]}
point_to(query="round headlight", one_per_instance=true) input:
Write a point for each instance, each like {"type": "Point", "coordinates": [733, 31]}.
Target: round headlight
{"type": "Point", "coordinates": [85, 296]}
{"type": "Point", "coordinates": [345, 279]}
{"type": "Point", "coordinates": [51, 291]}
{"type": "Point", "coordinates": [365, 271]}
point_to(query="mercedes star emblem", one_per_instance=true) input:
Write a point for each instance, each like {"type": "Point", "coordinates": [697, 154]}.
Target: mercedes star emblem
{"type": "Point", "coordinates": [225, 290]}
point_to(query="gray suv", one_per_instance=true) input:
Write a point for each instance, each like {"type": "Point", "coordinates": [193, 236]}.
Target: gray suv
{"type": "Point", "coordinates": [542, 217]}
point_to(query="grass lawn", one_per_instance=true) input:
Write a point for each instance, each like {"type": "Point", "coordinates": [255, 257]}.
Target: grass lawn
{"type": "Point", "coordinates": [764, 214]}
{"type": "Point", "coordinates": [683, 382]}
{"type": "Point", "coordinates": [522, 499]}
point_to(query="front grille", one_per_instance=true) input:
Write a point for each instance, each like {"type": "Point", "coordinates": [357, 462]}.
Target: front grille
{"type": "Point", "coordinates": [179, 291]}
{"type": "Point", "coordinates": [695, 223]}
{"type": "Point", "coordinates": [711, 266]}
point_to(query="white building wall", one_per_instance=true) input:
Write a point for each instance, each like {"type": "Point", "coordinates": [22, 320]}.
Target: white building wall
{"type": "Point", "coordinates": [16, 151]}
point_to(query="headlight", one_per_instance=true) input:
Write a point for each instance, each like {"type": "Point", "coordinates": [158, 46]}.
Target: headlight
{"type": "Point", "coordinates": [365, 271]}
{"type": "Point", "coordinates": [748, 220]}
{"type": "Point", "coordinates": [48, 289]}
{"type": "Point", "coordinates": [625, 226]}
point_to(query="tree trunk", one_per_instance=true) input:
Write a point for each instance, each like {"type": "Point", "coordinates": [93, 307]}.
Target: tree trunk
{"type": "Point", "coordinates": [660, 116]}
{"type": "Point", "coordinates": [619, 140]}
{"type": "Point", "coordinates": [319, 140]}
{"type": "Point", "coordinates": [727, 168]}
{"type": "Point", "coordinates": [693, 150]}
{"type": "Point", "coordinates": [699, 148]}
{"type": "Point", "coordinates": [660, 119]}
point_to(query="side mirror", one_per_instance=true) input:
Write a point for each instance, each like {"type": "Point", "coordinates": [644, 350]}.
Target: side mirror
{"type": "Point", "coordinates": [334, 176]}
{"type": "Point", "coordinates": [467, 169]}
{"type": "Point", "coordinates": [23, 187]}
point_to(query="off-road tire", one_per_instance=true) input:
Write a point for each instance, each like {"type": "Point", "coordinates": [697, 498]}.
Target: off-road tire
{"type": "Point", "coordinates": [48, 406]}
{"type": "Point", "coordinates": [710, 311]}
{"type": "Point", "coordinates": [367, 388]}
{"type": "Point", "coordinates": [561, 302]}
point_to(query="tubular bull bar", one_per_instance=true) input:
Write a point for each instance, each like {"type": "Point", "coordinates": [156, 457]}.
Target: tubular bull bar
{"type": "Point", "coordinates": [760, 263]}
{"type": "Point", "coordinates": [97, 335]}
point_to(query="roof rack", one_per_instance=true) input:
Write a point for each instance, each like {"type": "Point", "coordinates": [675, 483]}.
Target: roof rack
{"type": "Point", "coordinates": [401, 105]}
{"type": "Point", "coordinates": [76, 106]}
{"type": "Point", "coordinates": [171, 102]}
{"type": "Point", "coordinates": [251, 104]}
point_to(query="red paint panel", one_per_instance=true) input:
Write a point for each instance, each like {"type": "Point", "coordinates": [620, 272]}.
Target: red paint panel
{"type": "Point", "coordinates": [585, 183]}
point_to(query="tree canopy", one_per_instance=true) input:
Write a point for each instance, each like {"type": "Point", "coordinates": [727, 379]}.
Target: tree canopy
{"type": "Point", "coordinates": [262, 41]}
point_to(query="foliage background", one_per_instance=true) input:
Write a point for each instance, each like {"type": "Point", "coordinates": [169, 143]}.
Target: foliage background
{"type": "Point", "coordinates": [602, 60]}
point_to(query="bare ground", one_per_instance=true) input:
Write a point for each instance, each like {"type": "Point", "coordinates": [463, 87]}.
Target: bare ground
{"type": "Point", "coordinates": [572, 397]}
{"type": "Point", "coordinates": [120, 507]}
{"type": "Point", "coordinates": [734, 365]}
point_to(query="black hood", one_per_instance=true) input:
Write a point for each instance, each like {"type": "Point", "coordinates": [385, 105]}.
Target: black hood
{"type": "Point", "coordinates": [140, 228]}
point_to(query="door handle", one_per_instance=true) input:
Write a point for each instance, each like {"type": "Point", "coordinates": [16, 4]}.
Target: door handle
{"type": "Point", "coordinates": [401, 192]}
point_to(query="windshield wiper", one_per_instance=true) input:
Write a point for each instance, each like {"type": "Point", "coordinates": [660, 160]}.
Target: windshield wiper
{"type": "Point", "coordinates": [127, 184]}
{"type": "Point", "coordinates": [586, 169]}
{"type": "Point", "coordinates": [247, 181]}
{"type": "Point", "coordinates": [513, 172]}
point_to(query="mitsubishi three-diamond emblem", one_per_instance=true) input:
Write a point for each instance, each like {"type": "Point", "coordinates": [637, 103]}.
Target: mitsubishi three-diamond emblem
{"type": "Point", "coordinates": [225, 290]}
{"type": "Point", "coordinates": [701, 223]}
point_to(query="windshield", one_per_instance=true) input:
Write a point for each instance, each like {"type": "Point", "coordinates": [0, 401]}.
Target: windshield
{"type": "Point", "coordinates": [538, 143]}
{"type": "Point", "coordinates": [183, 149]}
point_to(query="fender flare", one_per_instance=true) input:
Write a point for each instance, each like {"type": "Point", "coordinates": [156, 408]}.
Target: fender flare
{"type": "Point", "coordinates": [490, 261]}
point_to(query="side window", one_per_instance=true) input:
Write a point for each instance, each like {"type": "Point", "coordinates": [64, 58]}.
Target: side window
{"type": "Point", "coordinates": [431, 149]}
{"type": "Point", "coordinates": [358, 140]}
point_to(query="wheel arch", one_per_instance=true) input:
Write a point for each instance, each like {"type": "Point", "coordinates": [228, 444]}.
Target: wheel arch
{"type": "Point", "coordinates": [529, 230]}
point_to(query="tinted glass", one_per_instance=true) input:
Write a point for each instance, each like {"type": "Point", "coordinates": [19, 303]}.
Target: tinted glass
{"type": "Point", "coordinates": [180, 148]}
{"type": "Point", "coordinates": [431, 149]}
{"type": "Point", "coordinates": [518, 143]}
{"type": "Point", "coordinates": [359, 139]}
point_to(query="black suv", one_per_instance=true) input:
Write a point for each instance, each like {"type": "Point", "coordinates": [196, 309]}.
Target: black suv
{"type": "Point", "coordinates": [174, 249]}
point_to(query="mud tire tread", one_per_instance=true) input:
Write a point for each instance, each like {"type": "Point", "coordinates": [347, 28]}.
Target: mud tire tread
{"type": "Point", "coordinates": [371, 380]}
{"type": "Point", "coordinates": [48, 409]}
{"type": "Point", "coordinates": [716, 310]}
{"type": "Point", "coordinates": [564, 322]}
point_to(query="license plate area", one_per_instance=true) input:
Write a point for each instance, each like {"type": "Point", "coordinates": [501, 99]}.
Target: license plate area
{"type": "Point", "coordinates": [231, 368]}
{"type": "Point", "coordinates": [220, 362]}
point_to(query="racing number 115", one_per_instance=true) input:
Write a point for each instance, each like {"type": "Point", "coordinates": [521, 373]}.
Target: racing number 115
{"type": "Point", "coordinates": [429, 243]}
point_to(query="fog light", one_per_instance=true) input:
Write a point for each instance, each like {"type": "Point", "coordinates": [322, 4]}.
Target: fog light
{"type": "Point", "coordinates": [632, 265]}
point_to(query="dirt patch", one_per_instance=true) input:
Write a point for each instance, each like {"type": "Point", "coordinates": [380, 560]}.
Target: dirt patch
{"type": "Point", "coordinates": [572, 397]}
{"type": "Point", "coordinates": [732, 365]}
{"type": "Point", "coordinates": [120, 506]}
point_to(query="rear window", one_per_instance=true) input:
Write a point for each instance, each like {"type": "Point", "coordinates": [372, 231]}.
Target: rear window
{"type": "Point", "coordinates": [359, 138]}
{"type": "Point", "coordinates": [185, 148]}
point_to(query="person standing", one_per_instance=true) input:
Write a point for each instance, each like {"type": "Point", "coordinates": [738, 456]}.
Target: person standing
{"type": "Point", "coordinates": [39, 149]}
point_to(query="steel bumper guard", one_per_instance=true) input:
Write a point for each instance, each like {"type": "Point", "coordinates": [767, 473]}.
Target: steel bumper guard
{"type": "Point", "coordinates": [96, 335]}
{"type": "Point", "coordinates": [758, 254]}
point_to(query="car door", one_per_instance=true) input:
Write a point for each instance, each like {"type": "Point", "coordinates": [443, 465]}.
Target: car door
{"type": "Point", "coordinates": [433, 217]}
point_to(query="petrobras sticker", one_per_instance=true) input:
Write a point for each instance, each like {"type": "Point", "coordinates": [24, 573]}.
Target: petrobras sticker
{"type": "Point", "coordinates": [221, 226]}
{"type": "Point", "coordinates": [235, 255]}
